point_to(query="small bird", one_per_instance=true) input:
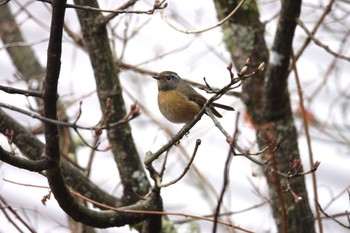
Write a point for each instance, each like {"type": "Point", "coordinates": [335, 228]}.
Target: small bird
{"type": "Point", "coordinates": [179, 102]}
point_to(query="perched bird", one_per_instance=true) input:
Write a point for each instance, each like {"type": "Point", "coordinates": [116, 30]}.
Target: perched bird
{"type": "Point", "coordinates": [179, 102]}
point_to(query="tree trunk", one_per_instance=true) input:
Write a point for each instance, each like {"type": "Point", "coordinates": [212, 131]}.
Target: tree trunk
{"type": "Point", "coordinates": [96, 41]}
{"type": "Point", "coordinates": [268, 103]}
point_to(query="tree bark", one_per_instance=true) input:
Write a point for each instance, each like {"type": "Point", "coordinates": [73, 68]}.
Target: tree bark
{"type": "Point", "coordinates": [133, 176]}
{"type": "Point", "coordinates": [268, 102]}
{"type": "Point", "coordinates": [96, 40]}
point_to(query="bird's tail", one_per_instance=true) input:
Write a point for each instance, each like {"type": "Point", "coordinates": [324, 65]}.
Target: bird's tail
{"type": "Point", "coordinates": [229, 108]}
{"type": "Point", "coordinates": [216, 113]}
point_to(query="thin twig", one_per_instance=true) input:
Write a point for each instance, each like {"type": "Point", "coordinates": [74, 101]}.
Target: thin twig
{"type": "Point", "coordinates": [313, 31]}
{"type": "Point", "coordinates": [232, 142]}
{"type": "Point", "coordinates": [308, 140]}
{"type": "Point", "coordinates": [333, 218]}
{"type": "Point", "coordinates": [124, 210]}
{"type": "Point", "coordinates": [198, 142]}
{"type": "Point", "coordinates": [162, 170]}
{"type": "Point", "coordinates": [92, 155]}
{"type": "Point", "coordinates": [226, 178]}
{"type": "Point", "coordinates": [331, 68]}
{"type": "Point", "coordinates": [319, 43]}
{"type": "Point", "coordinates": [7, 216]}
{"type": "Point", "coordinates": [206, 28]}
{"type": "Point", "coordinates": [16, 216]}
{"type": "Point", "coordinates": [23, 44]}
{"type": "Point", "coordinates": [62, 123]}
{"type": "Point", "coordinates": [248, 155]}
{"type": "Point", "coordinates": [334, 198]}
{"type": "Point", "coordinates": [277, 183]}
{"type": "Point", "coordinates": [227, 213]}
{"type": "Point", "coordinates": [161, 5]}
{"type": "Point", "coordinates": [154, 212]}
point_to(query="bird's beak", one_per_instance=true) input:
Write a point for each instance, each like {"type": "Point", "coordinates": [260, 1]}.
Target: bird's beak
{"type": "Point", "coordinates": [155, 77]}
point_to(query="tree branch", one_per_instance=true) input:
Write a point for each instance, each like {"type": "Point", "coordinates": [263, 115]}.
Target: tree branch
{"type": "Point", "coordinates": [74, 126]}
{"type": "Point", "coordinates": [33, 149]}
{"type": "Point", "coordinates": [198, 31]}
{"type": "Point", "coordinates": [320, 44]}
{"type": "Point", "coordinates": [160, 5]}
{"type": "Point", "coordinates": [30, 165]}
{"type": "Point", "coordinates": [12, 90]}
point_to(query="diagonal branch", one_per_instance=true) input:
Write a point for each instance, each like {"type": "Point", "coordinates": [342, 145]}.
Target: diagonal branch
{"type": "Point", "coordinates": [320, 44]}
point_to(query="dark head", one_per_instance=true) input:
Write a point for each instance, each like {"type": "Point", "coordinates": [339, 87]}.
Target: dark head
{"type": "Point", "coordinates": [167, 80]}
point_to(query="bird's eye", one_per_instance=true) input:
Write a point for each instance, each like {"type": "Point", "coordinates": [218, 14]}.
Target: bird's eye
{"type": "Point", "coordinates": [168, 78]}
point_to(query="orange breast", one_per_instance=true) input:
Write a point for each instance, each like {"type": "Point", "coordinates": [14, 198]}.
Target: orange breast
{"type": "Point", "coordinates": [176, 107]}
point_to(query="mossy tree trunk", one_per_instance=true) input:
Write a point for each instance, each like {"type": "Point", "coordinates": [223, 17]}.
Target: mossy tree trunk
{"type": "Point", "coordinates": [268, 102]}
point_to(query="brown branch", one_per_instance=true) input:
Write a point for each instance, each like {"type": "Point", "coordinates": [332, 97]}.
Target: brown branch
{"type": "Point", "coordinates": [125, 210]}
{"type": "Point", "coordinates": [308, 139]}
{"type": "Point", "coordinates": [278, 187]}
{"type": "Point", "coordinates": [227, 213]}
{"type": "Point", "coordinates": [17, 216]}
{"type": "Point", "coordinates": [153, 212]}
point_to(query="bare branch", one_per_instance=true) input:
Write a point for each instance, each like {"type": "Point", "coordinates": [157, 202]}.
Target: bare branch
{"type": "Point", "coordinates": [333, 218]}
{"type": "Point", "coordinates": [154, 212]}
{"type": "Point", "coordinates": [30, 165]}
{"type": "Point", "coordinates": [320, 44]}
{"type": "Point", "coordinates": [158, 6]}
{"type": "Point", "coordinates": [198, 142]}
{"type": "Point", "coordinates": [225, 179]}
{"type": "Point", "coordinates": [308, 137]}
{"type": "Point", "coordinates": [14, 212]}
{"type": "Point", "coordinates": [67, 124]}
{"type": "Point", "coordinates": [12, 90]}
{"type": "Point", "coordinates": [204, 29]}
